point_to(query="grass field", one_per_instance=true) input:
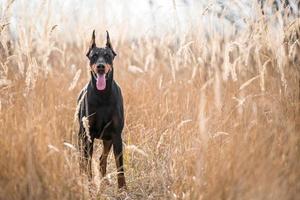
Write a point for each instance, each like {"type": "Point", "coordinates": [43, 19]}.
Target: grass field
{"type": "Point", "coordinates": [208, 116]}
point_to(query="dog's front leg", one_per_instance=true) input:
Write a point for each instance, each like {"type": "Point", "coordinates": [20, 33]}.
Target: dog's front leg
{"type": "Point", "coordinates": [86, 152]}
{"type": "Point", "coordinates": [103, 159]}
{"type": "Point", "coordinates": [118, 153]}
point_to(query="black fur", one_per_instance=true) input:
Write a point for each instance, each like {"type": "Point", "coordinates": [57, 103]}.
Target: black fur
{"type": "Point", "coordinates": [104, 111]}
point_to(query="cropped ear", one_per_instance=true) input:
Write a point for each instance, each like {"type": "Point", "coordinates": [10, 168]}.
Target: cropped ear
{"type": "Point", "coordinates": [108, 43]}
{"type": "Point", "coordinates": [92, 44]}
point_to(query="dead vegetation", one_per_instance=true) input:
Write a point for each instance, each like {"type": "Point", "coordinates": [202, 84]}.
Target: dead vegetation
{"type": "Point", "coordinates": [206, 117]}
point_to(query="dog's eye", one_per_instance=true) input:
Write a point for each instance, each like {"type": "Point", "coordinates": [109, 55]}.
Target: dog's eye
{"type": "Point", "coordinates": [94, 57]}
{"type": "Point", "coordinates": [107, 56]}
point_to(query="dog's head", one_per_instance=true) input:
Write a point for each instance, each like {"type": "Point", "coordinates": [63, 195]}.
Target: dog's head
{"type": "Point", "coordinates": [101, 61]}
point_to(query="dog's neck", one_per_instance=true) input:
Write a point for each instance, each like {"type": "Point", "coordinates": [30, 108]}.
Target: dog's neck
{"type": "Point", "coordinates": [109, 80]}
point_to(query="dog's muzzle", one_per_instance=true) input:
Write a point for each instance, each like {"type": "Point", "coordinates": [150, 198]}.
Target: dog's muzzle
{"type": "Point", "coordinates": [101, 68]}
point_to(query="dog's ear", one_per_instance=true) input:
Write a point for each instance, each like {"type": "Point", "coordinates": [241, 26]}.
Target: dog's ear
{"type": "Point", "coordinates": [92, 44]}
{"type": "Point", "coordinates": [108, 43]}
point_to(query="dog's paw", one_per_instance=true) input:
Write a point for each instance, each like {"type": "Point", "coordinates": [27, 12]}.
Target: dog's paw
{"type": "Point", "coordinates": [92, 190]}
{"type": "Point", "coordinates": [106, 181]}
{"type": "Point", "coordinates": [123, 193]}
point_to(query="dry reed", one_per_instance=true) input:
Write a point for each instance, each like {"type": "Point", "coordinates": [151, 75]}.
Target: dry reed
{"type": "Point", "coordinates": [207, 117]}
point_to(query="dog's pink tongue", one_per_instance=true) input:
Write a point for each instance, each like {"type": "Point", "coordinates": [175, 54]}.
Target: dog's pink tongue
{"type": "Point", "coordinates": [101, 82]}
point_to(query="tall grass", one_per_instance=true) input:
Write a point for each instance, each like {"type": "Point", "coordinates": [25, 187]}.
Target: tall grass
{"type": "Point", "coordinates": [208, 116]}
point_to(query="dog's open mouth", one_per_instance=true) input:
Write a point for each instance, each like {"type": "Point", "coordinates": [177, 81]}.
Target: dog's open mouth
{"type": "Point", "coordinates": [101, 81]}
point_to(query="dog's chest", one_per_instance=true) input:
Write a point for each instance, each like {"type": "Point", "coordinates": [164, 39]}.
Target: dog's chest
{"type": "Point", "coordinates": [100, 119]}
{"type": "Point", "coordinates": [101, 109]}
{"type": "Point", "coordinates": [103, 116]}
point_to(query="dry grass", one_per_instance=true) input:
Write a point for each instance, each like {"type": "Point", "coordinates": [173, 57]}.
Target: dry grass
{"type": "Point", "coordinates": [206, 117]}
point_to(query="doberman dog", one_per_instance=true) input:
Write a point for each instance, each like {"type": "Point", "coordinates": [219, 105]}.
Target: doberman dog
{"type": "Point", "coordinates": [100, 111]}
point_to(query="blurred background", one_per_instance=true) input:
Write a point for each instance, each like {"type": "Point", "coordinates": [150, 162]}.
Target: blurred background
{"type": "Point", "coordinates": [133, 17]}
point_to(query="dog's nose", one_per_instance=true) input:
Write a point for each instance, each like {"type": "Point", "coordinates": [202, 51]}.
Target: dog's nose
{"type": "Point", "coordinates": [100, 66]}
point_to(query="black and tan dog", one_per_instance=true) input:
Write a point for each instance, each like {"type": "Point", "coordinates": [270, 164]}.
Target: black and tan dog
{"type": "Point", "coordinates": [101, 113]}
